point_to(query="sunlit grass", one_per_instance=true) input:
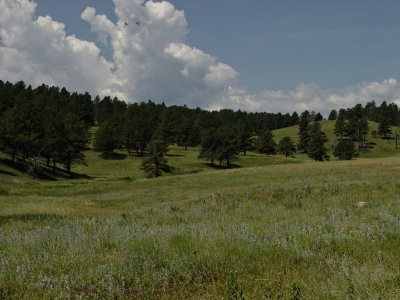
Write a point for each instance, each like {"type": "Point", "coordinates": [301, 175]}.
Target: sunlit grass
{"type": "Point", "coordinates": [271, 227]}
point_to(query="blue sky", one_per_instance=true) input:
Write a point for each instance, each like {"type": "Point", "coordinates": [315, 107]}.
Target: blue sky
{"type": "Point", "coordinates": [279, 44]}
{"type": "Point", "coordinates": [268, 52]}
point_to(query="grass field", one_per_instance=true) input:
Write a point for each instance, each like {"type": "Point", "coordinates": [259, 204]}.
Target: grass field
{"type": "Point", "coordinates": [270, 228]}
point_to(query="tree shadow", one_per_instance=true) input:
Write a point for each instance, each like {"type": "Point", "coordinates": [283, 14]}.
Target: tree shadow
{"type": "Point", "coordinates": [43, 173]}
{"type": "Point", "coordinates": [174, 155]}
{"type": "Point", "coordinates": [222, 167]}
{"type": "Point", "coordinates": [7, 173]}
{"type": "Point", "coordinates": [114, 156]}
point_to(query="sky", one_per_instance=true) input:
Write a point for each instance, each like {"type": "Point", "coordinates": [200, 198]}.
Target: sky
{"type": "Point", "coordinates": [254, 55]}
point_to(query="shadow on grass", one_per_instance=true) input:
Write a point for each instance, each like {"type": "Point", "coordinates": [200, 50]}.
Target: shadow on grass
{"type": "Point", "coordinates": [44, 173]}
{"type": "Point", "coordinates": [114, 156]}
{"type": "Point", "coordinates": [222, 167]}
{"type": "Point", "coordinates": [174, 155]}
{"type": "Point", "coordinates": [37, 218]}
{"type": "Point", "coordinates": [7, 173]}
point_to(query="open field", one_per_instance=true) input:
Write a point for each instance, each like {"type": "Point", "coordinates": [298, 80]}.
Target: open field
{"type": "Point", "coordinates": [268, 229]}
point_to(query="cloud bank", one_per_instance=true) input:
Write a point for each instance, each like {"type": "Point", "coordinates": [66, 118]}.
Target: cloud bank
{"type": "Point", "coordinates": [151, 60]}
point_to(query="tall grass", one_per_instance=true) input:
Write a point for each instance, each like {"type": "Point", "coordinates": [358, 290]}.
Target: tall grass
{"type": "Point", "coordinates": [289, 231]}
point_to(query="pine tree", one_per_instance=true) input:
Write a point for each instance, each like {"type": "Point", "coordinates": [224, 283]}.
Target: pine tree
{"type": "Point", "coordinates": [317, 149]}
{"type": "Point", "coordinates": [333, 115]}
{"type": "Point", "coordinates": [266, 143]}
{"type": "Point", "coordinates": [304, 134]}
{"type": "Point", "coordinates": [384, 129]}
{"type": "Point", "coordinates": [287, 147]}
{"type": "Point", "coordinates": [345, 150]}
{"type": "Point", "coordinates": [318, 117]}
{"type": "Point", "coordinates": [105, 139]}
{"type": "Point", "coordinates": [340, 126]}
{"type": "Point", "coordinates": [228, 146]}
{"type": "Point", "coordinates": [156, 163]}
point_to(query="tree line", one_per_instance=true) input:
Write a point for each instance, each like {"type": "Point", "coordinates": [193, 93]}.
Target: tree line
{"type": "Point", "coordinates": [47, 123]}
{"type": "Point", "coordinates": [53, 124]}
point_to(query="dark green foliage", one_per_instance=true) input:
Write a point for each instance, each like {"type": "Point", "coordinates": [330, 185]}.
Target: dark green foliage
{"type": "Point", "coordinates": [294, 119]}
{"type": "Point", "coordinates": [287, 147]}
{"type": "Point", "coordinates": [141, 122]}
{"type": "Point", "coordinates": [345, 150]}
{"type": "Point", "coordinates": [220, 144]}
{"type": "Point", "coordinates": [353, 123]}
{"type": "Point", "coordinates": [340, 125]}
{"type": "Point", "coordinates": [384, 129]}
{"type": "Point", "coordinates": [209, 145]}
{"type": "Point", "coordinates": [304, 134]}
{"type": "Point", "coordinates": [44, 122]}
{"type": "Point", "coordinates": [333, 115]}
{"type": "Point", "coordinates": [245, 143]}
{"type": "Point", "coordinates": [228, 146]}
{"type": "Point", "coordinates": [266, 143]}
{"type": "Point", "coordinates": [317, 149]}
{"type": "Point", "coordinates": [106, 140]}
{"type": "Point", "coordinates": [318, 117]}
{"type": "Point", "coordinates": [156, 163]}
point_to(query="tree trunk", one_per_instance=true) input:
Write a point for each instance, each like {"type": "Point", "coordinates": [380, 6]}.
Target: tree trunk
{"type": "Point", "coordinates": [13, 156]}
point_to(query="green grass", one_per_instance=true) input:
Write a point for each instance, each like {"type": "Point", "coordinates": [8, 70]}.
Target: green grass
{"type": "Point", "coordinates": [272, 227]}
{"type": "Point", "coordinates": [380, 147]}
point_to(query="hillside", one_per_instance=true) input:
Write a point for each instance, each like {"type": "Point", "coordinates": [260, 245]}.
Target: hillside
{"type": "Point", "coordinates": [269, 227]}
{"type": "Point", "coordinates": [272, 230]}
{"type": "Point", "coordinates": [381, 148]}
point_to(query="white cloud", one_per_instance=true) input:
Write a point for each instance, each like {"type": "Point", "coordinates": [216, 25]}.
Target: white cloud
{"type": "Point", "coordinates": [38, 51]}
{"type": "Point", "coordinates": [151, 60]}
{"type": "Point", "coordinates": [312, 97]}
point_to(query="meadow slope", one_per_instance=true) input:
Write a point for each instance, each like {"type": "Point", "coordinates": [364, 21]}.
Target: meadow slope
{"type": "Point", "coordinates": [287, 229]}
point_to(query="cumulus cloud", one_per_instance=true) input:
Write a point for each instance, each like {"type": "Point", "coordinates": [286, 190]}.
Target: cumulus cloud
{"type": "Point", "coordinates": [312, 97]}
{"type": "Point", "coordinates": [38, 50]}
{"type": "Point", "coordinates": [151, 60]}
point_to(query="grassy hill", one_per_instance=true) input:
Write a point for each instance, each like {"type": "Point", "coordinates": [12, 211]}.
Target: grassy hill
{"type": "Point", "coordinates": [381, 148]}
{"type": "Point", "coordinates": [269, 227]}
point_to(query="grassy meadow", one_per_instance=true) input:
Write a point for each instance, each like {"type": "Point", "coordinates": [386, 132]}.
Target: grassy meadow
{"type": "Point", "coordinates": [269, 228]}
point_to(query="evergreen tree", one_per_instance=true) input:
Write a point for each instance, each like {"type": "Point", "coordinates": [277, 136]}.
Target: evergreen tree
{"type": "Point", "coordinates": [345, 150]}
{"type": "Point", "coordinates": [287, 147]}
{"type": "Point", "coordinates": [317, 149]}
{"type": "Point", "coordinates": [340, 126]}
{"type": "Point", "coordinates": [188, 133]}
{"type": "Point", "coordinates": [333, 115]}
{"type": "Point", "coordinates": [266, 143]}
{"type": "Point", "coordinates": [105, 139]}
{"type": "Point", "coordinates": [228, 146]}
{"type": "Point", "coordinates": [244, 139]}
{"type": "Point", "coordinates": [294, 119]}
{"type": "Point", "coordinates": [304, 134]}
{"type": "Point", "coordinates": [384, 130]}
{"type": "Point", "coordinates": [209, 145]}
{"type": "Point", "coordinates": [156, 163]}
{"type": "Point", "coordinates": [318, 117]}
